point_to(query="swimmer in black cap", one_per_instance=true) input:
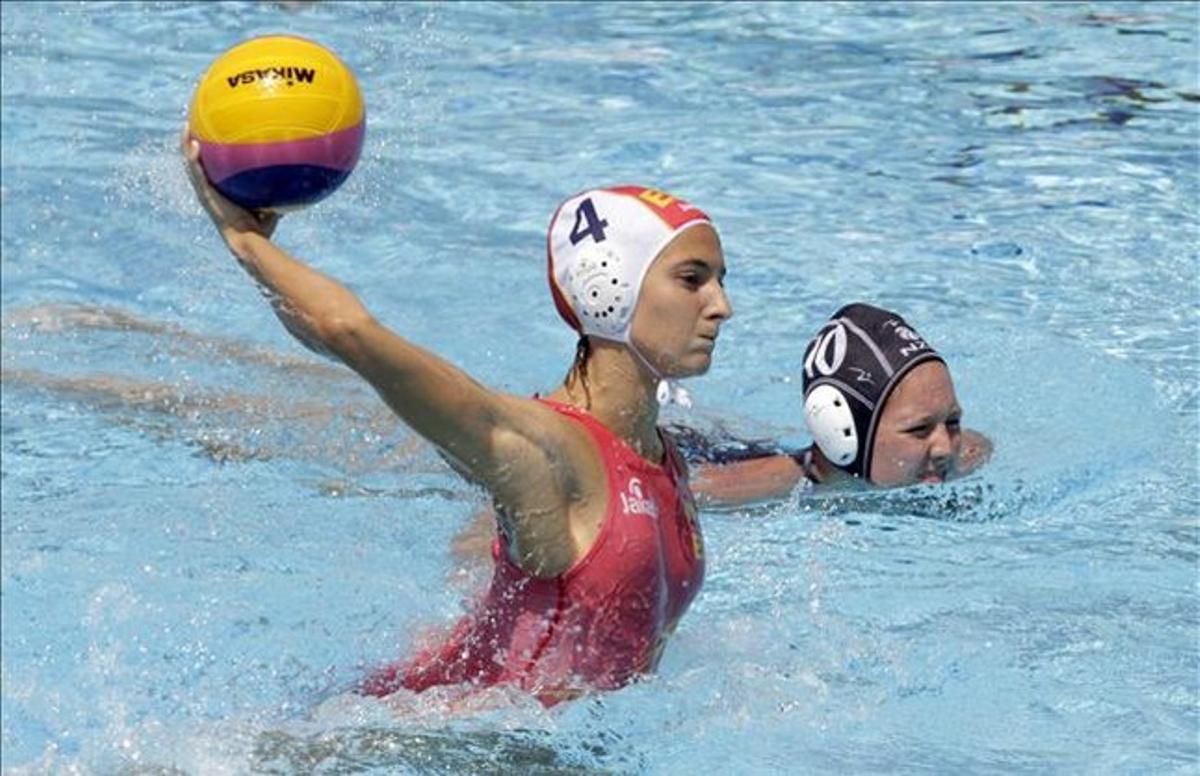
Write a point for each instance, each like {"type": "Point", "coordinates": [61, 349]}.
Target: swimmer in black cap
{"type": "Point", "coordinates": [880, 405]}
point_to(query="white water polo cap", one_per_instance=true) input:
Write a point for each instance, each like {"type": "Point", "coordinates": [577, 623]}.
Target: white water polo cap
{"type": "Point", "coordinates": [851, 368]}
{"type": "Point", "coordinates": [600, 244]}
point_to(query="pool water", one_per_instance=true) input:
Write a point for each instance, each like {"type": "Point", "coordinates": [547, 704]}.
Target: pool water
{"type": "Point", "coordinates": [209, 534]}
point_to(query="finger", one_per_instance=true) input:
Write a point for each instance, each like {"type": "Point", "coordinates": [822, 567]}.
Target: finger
{"type": "Point", "coordinates": [267, 221]}
{"type": "Point", "coordinates": [189, 145]}
{"type": "Point", "coordinates": [194, 172]}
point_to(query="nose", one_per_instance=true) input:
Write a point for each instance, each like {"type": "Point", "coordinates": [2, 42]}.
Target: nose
{"type": "Point", "coordinates": [720, 308]}
{"type": "Point", "coordinates": [941, 444]}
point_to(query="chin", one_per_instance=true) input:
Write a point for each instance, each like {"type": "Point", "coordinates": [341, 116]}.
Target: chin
{"type": "Point", "coordinates": [894, 480]}
{"type": "Point", "coordinates": [694, 367]}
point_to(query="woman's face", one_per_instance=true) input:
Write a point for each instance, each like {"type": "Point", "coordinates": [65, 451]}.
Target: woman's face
{"type": "Point", "coordinates": [918, 438]}
{"type": "Point", "coordinates": [682, 304]}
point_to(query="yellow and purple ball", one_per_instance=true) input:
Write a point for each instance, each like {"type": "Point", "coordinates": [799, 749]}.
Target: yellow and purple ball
{"type": "Point", "coordinates": [280, 121]}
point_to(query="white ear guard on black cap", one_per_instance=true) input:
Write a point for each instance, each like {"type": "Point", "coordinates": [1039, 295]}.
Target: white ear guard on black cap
{"type": "Point", "coordinates": [829, 419]}
{"type": "Point", "coordinates": [851, 367]}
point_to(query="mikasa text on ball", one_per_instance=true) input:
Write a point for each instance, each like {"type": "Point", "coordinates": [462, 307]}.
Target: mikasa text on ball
{"type": "Point", "coordinates": [280, 122]}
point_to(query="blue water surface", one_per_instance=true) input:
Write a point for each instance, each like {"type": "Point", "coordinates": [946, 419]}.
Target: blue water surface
{"type": "Point", "coordinates": [208, 533]}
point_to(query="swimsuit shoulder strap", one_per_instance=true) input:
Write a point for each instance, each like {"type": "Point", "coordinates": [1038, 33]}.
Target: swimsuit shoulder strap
{"type": "Point", "coordinates": [584, 418]}
{"type": "Point", "coordinates": [608, 439]}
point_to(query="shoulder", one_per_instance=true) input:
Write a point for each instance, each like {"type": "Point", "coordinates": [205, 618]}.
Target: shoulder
{"type": "Point", "coordinates": [549, 487]}
{"type": "Point", "coordinates": [552, 439]}
{"type": "Point", "coordinates": [540, 423]}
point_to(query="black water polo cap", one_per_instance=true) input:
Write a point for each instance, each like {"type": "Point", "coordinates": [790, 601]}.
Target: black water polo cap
{"type": "Point", "coordinates": [851, 367]}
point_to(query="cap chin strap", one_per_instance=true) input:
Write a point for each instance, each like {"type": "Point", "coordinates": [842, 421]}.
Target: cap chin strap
{"type": "Point", "coordinates": [668, 391]}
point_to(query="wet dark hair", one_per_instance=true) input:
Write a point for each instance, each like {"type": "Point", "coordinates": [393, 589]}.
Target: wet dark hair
{"type": "Point", "coordinates": [583, 349]}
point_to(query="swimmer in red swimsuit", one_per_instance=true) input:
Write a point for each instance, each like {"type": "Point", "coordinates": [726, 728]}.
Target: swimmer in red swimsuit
{"type": "Point", "coordinates": [599, 553]}
{"type": "Point", "coordinates": [602, 621]}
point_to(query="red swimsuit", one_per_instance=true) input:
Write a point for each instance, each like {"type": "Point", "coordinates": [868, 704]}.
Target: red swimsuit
{"type": "Point", "coordinates": [600, 623]}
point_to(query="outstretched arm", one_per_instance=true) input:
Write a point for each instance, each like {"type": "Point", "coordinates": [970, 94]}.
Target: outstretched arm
{"type": "Point", "coordinates": [745, 482]}
{"type": "Point", "coordinates": [502, 442]}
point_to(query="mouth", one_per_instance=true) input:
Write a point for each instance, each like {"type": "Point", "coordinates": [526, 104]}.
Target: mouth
{"type": "Point", "coordinates": [936, 475]}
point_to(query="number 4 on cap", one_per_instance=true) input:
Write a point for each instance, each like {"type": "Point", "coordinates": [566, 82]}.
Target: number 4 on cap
{"type": "Point", "coordinates": [587, 223]}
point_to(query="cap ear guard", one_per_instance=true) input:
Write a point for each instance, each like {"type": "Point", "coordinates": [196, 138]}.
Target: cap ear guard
{"type": "Point", "coordinates": [599, 246]}
{"type": "Point", "coordinates": [600, 292]}
{"type": "Point", "coordinates": [831, 423]}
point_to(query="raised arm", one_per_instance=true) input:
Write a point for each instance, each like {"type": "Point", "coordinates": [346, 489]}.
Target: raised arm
{"type": "Point", "coordinates": [502, 442]}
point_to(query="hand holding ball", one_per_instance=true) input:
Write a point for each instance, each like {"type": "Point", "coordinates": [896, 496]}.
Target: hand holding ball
{"type": "Point", "coordinates": [280, 122]}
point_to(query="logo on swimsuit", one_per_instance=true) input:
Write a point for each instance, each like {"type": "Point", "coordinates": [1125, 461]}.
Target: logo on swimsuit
{"type": "Point", "coordinates": [635, 502]}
